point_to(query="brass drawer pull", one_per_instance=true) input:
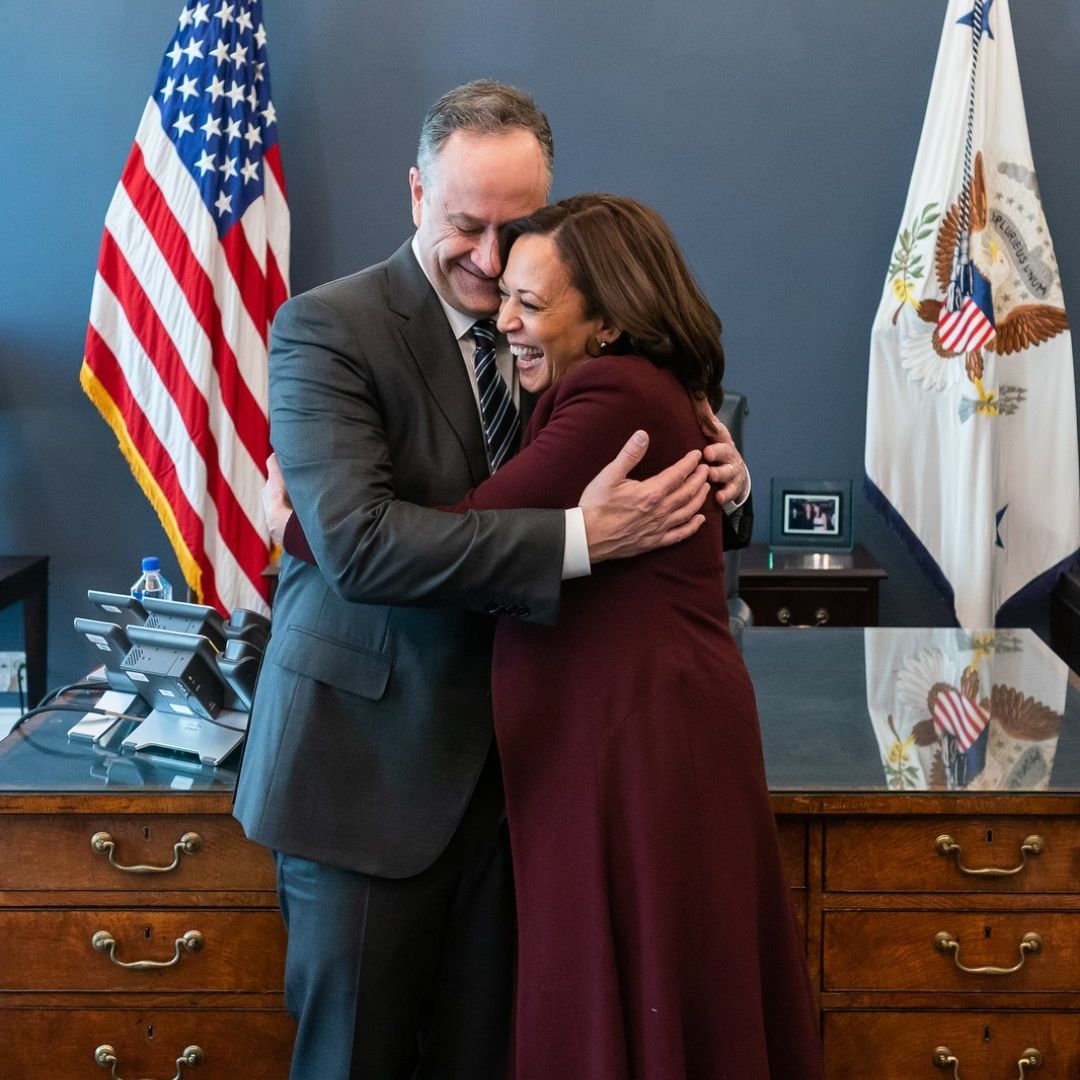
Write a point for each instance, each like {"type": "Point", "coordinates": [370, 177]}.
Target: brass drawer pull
{"type": "Point", "coordinates": [105, 1056]}
{"type": "Point", "coordinates": [783, 616]}
{"type": "Point", "coordinates": [944, 942]}
{"type": "Point", "coordinates": [103, 941]}
{"type": "Point", "coordinates": [188, 844]}
{"type": "Point", "coordinates": [945, 846]}
{"type": "Point", "coordinates": [944, 1057]}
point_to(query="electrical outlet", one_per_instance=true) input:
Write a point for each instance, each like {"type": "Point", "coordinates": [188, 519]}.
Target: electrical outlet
{"type": "Point", "coordinates": [12, 671]}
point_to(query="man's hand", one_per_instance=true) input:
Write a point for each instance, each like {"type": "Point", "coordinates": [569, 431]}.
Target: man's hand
{"type": "Point", "coordinates": [275, 501]}
{"type": "Point", "coordinates": [727, 470]}
{"type": "Point", "coordinates": [628, 517]}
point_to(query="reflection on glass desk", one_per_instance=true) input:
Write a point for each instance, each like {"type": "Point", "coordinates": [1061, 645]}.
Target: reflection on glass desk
{"type": "Point", "coordinates": [907, 710]}
{"type": "Point", "coordinates": [40, 757]}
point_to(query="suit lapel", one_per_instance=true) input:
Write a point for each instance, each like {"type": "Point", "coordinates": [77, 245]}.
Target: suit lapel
{"type": "Point", "coordinates": [430, 342]}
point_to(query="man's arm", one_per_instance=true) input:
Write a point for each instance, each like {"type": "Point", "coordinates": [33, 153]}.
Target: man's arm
{"type": "Point", "coordinates": [372, 547]}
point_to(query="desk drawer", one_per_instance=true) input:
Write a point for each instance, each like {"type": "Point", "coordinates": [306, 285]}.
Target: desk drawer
{"type": "Point", "coordinates": [54, 853]}
{"type": "Point", "coordinates": [895, 950]}
{"type": "Point", "coordinates": [905, 855]}
{"type": "Point", "coordinates": [223, 950]}
{"type": "Point", "coordinates": [50, 1044]}
{"type": "Point", "coordinates": [815, 605]}
{"type": "Point", "coordinates": [987, 1046]}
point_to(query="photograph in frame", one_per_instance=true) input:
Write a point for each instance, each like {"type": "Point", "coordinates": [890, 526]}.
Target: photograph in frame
{"type": "Point", "coordinates": [811, 514]}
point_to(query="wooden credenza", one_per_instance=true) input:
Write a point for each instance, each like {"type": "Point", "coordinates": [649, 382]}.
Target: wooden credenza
{"type": "Point", "coordinates": [890, 908]}
{"type": "Point", "coordinates": [942, 926]}
{"type": "Point", "coordinates": [890, 920]}
{"type": "Point", "coordinates": [138, 928]}
{"type": "Point", "coordinates": [797, 588]}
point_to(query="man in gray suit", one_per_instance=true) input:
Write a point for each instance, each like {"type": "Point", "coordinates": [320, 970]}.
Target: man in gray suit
{"type": "Point", "coordinates": [370, 768]}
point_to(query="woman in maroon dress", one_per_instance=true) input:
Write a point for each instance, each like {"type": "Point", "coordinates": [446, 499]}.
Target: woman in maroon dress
{"type": "Point", "coordinates": [656, 939]}
{"type": "Point", "coordinates": [655, 933]}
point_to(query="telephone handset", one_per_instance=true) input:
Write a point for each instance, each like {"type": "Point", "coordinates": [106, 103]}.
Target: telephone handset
{"type": "Point", "coordinates": [185, 618]}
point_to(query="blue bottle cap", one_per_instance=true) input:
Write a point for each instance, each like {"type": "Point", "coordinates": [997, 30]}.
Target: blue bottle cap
{"type": "Point", "coordinates": [151, 562]}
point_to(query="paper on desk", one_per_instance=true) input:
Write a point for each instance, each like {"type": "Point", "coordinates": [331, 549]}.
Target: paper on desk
{"type": "Point", "coordinates": [8, 719]}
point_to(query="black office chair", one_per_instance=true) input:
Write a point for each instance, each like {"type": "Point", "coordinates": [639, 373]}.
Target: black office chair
{"type": "Point", "coordinates": [731, 414]}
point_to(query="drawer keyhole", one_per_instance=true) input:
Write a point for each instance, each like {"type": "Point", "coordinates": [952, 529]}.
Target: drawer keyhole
{"type": "Point", "coordinates": [986, 932]}
{"type": "Point", "coordinates": [147, 932]}
{"type": "Point", "coordinates": [146, 833]}
{"type": "Point", "coordinates": [989, 836]}
{"type": "Point", "coordinates": [986, 1033]}
{"type": "Point", "coordinates": [149, 1031]}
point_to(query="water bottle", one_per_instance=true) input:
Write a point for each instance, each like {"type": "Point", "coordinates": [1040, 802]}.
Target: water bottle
{"type": "Point", "coordinates": [151, 581]}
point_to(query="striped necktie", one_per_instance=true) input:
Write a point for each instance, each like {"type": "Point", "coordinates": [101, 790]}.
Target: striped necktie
{"type": "Point", "coordinates": [497, 412]}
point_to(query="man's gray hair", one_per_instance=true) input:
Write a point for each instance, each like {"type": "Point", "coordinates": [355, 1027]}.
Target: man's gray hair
{"type": "Point", "coordinates": [487, 108]}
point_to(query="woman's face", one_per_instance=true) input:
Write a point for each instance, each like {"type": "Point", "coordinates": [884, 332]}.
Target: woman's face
{"type": "Point", "coordinates": [543, 314]}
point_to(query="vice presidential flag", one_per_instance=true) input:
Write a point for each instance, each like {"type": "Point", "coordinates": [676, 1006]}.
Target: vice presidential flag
{"type": "Point", "coordinates": [193, 264]}
{"type": "Point", "coordinates": [971, 445]}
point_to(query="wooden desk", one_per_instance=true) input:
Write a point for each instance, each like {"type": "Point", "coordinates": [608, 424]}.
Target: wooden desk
{"type": "Point", "coordinates": [892, 881]}
{"type": "Point", "coordinates": [26, 578]}
{"type": "Point", "coordinates": [795, 588]}
{"type": "Point", "coordinates": [862, 790]}
{"type": "Point", "coordinates": [99, 847]}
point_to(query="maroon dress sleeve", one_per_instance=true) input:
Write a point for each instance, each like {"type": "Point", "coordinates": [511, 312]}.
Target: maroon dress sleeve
{"type": "Point", "coordinates": [295, 541]}
{"type": "Point", "coordinates": [581, 424]}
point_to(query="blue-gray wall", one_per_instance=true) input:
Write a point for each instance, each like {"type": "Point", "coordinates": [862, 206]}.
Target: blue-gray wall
{"type": "Point", "coordinates": [777, 138]}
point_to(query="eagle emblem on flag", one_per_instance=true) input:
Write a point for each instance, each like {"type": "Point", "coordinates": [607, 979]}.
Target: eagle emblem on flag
{"type": "Point", "coordinates": [1009, 293]}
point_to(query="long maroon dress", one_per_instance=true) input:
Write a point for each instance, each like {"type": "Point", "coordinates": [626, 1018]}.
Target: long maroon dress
{"type": "Point", "coordinates": [655, 932]}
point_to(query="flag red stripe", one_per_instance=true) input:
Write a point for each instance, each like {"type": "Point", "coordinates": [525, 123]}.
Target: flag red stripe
{"type": "Point", "coordinates": [277, 290]}
{"type": "Point", "coordinates": [248, 275]}
{"type": "Point", "coordinates": [272, 160]}
{"type": "Point", "coordinates": [156, 458]}
{"type": "Point", "coordinates": [234, 526]}
{"type": "Point", "coordinates": [252, 426]}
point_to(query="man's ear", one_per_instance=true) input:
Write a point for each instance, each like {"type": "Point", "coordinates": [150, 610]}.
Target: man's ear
{"type": "Point", "coordinates": [416, 191]}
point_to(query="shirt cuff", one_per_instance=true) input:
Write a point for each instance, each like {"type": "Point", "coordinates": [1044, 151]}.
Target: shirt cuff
{"type": "Point", "coordinates": [731, 507]}
{"type": "Point", "coordinates": [575, 561]}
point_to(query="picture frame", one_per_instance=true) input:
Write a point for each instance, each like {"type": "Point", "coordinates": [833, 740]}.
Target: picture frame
{"type": "Point", "coordinates": [814, 515]}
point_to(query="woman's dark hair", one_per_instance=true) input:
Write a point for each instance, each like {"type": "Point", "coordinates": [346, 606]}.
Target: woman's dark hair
{"type": "Point", "coordinates": [623, 259]}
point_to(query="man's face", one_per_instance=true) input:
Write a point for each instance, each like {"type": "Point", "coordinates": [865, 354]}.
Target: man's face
{"type": "Point", "coordinates": [478, 183]}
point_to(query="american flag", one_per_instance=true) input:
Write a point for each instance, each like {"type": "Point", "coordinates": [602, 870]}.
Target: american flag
{"type": "Point", "coordinates": [193, 264]}
{"type": "Point", "coordinates": [959, 717]}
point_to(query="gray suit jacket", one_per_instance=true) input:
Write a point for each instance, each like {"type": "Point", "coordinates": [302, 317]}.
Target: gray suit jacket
{"type": "Point", "coordinates": [372, 715]}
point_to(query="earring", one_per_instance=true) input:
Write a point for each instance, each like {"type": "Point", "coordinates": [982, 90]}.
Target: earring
{"type": "Point", "coordinates": [594, 346]}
